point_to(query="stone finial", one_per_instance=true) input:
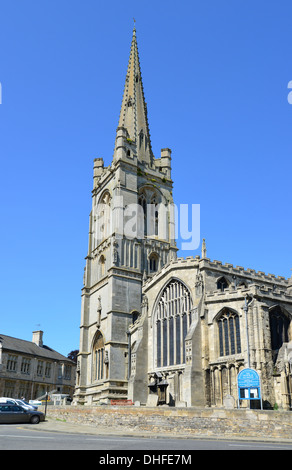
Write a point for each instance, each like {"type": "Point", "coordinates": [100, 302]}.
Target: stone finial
{"type": "Point", "coordinates": [204, 250]}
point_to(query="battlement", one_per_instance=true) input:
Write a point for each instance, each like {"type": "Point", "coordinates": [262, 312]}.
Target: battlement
{"type": "Point", "coordinates": [227, 268]}
{"type": "Point", "coordinates": [254, 289]}
{"type": "Point", "coordinates": [240, 270]}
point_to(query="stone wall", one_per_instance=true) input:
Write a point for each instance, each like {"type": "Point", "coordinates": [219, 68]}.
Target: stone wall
{"type": "Point", "coordinates": [189, 422]}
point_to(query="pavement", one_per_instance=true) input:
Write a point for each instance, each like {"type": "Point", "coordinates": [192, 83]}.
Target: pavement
{"type": "Point", "coordinates": [56, 425]}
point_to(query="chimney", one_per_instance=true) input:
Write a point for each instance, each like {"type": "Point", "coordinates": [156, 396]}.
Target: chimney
{"type": "Point", "coordinates": [37, 338]}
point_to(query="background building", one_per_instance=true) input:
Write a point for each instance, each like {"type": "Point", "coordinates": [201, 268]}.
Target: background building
{"type": "Point", "coordinates": [30, 369]}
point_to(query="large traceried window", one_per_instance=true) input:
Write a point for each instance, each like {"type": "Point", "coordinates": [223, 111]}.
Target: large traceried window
{"type": "Point", "coordinates": [172, 321]}
{"type": "Point", "coordinates": [229, 333]}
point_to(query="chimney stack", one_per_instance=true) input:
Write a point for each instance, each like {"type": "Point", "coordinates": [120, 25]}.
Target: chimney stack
{"type": "Point", "coordinates": [37, 338]}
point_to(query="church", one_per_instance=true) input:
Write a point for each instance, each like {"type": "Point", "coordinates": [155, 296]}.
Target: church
{"type": "Point", "coordinates": [161, 330]}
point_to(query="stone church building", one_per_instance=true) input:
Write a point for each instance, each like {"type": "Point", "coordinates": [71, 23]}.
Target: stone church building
{"type": "Point", "coordinates": [155, 328]}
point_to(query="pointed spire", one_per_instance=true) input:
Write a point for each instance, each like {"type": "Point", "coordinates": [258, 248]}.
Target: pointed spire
{"type": "Point", "coordinates": [133, 115]}
{"type": "Point", "coordinates": [204, 250]}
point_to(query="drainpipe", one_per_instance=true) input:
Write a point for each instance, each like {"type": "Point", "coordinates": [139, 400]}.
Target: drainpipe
{"type": "Point", "coordinates": [245, 308]}
{"type": "Point", "coordinates": [129, 354]}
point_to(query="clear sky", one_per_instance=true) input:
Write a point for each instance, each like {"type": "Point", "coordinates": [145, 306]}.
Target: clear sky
{"type": "Point", "coordinates": [215, 77]}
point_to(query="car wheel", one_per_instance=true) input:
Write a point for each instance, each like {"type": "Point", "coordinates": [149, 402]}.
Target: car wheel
{"type": "Point", "coordinates": [35, 419]}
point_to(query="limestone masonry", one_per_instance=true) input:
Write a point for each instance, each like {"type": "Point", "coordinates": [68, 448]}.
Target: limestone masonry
{"type": "Point", "coordinates": [162, 330]}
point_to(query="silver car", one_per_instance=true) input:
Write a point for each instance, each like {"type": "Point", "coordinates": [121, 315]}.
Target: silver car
{"type": "Point", "coordinates": [17, 401]}
{"type": "Point", "coordinates": [10, 413]}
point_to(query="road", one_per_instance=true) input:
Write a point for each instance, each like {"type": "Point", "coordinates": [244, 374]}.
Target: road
{"type": "Point", "coordinates": [14, 437]}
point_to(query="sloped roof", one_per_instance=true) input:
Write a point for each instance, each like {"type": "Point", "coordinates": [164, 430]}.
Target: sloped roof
{"type": "Point", "coordinates": [28, 347]}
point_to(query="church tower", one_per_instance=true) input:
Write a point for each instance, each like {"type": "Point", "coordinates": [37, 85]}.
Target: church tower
{"type": "Point", "coordinates": [131, 237]}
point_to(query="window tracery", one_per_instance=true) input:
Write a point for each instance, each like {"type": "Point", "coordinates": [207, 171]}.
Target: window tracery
{"type": "Point", "coordinates": [222, 284]}
{"type": "Point", "coordinates": [98, 355]}
{"type": "Point", "coordinates": [229, 333]}
{"type": "Point", "coordinates": [149, 201]}
{"type": "Point", "coordinates": [172, 321]}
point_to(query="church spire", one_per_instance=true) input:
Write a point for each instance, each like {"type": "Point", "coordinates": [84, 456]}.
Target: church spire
{"type": "Point", "coordinates": [133, 115]}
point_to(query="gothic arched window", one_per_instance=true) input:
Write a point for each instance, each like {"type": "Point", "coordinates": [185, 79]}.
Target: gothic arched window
{"type": "Point", "coordinates": [279, 327]}
{"type": "Point", "coordinates": [135, 316]}
{"type": "Point", "coordinates": [222, 284]}
{"type": "Point", "coordinates": [149, 201]}
{"type": "Point", "coordinates": [154, 214]}
{"type": "Point", "coordinates": [98, 356]}
{"type": "Point", "coordinates": [104, 216]}
{"type": "Point", "coordinates": [153, 262]}
{"type": "Point", "coordinates": [172, 321]}
{"type": "Point", "coordinates": [229, 333]}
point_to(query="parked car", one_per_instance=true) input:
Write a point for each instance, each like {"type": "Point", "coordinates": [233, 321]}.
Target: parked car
{"type": "Point", "coordinates": [35, 402]}
{"type": "Point", "coordinates": [16, 401]}
{"type": "Point", "coordinates": [26, 405]}
{"type": "Point", "coordinates": [7, 400]}
{"type": "Point", "coordinates": [10, 413]}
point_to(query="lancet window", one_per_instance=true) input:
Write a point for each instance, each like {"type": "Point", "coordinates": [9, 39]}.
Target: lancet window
{"type": "Point", "coordinates": [172, 321]}
{"type": "Point", "coordinates": [103, 217]}
{"type": "Point", "coordinates": [98, 357]}
{"type": "Point", "coordinates": [153, 262]}
{"type": "Point", "coordinates": [149, 201]}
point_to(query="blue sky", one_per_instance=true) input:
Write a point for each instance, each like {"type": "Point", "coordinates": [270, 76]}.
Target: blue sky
{"type": "Point", "coordinates": [215, 77]}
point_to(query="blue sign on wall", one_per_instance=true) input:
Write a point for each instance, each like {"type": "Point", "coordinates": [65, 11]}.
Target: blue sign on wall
{"type": "Point", "coordinates": [248, 378]}
{"type": "Point", "coordinates": [249, 387]}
